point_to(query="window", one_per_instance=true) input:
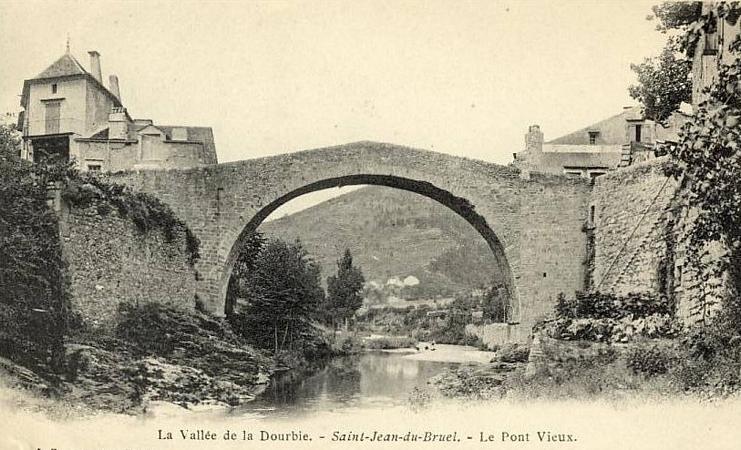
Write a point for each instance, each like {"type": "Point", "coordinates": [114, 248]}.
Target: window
{"type": "Point", "coordinates": [593, 135]}
{"type": "Point", "coordinates": [52, 117]}
{"type": "Point", "coordinates": [638, 133]}
{"type": "Point", "coordinates": [93, 167]}
{"type": "Point", "coordinates": [54, 88]}
{"type": "Point", "coordinates": [711, 43]}
{"type": "Point", "coordinates": [572, 173]}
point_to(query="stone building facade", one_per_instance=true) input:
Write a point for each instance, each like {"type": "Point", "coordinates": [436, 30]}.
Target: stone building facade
{"type": "Point", "coordinates": [712, 49]}
{"type": "Point", "coordinates": [618, 141]}
{"type": "Point", "coordinates": [70, 114]}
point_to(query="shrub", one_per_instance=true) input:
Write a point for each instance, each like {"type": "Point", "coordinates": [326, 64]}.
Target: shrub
{"type": "Point", "coordinates": [625, 329]}
{"type": "Point", "coordinates": [346, 344]}
{"type": "Point", "coordinates": [650, 361]}
{"type": "Point", "coordinates": [597, 305]}
{"type": "Point", "coordinates": [713, 358]}
{"type": "Point", "coordinates": [386, 343]}
{"type": "Point", "coordinates": [601, 317]}
{"type": "Point", "coordinates": [513, 353]}
{"type": "Point", "coordinates": [155, 329]}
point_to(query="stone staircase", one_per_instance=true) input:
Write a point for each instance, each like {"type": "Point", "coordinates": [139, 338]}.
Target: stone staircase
{"type": "Point", "coordinates": [626, 157]}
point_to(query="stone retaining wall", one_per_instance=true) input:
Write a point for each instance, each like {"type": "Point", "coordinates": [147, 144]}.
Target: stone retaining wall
{"type": "Point", "coordinates": [111, 261]}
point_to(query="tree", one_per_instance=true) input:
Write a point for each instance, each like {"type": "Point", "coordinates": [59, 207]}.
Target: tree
{"type": "Point", "coordinates": [664, 81]}
{"type": "Point", "coordinates": [682, 18]}
{"type": "Point", "coordinates": [10, 139]}
{"type": "Point", "coordinates": [246, 262]}
{"type": "Point", "coordinates": [283, 293]}
{"type": "Point", "coordinates": [663, 84]}
{"type": "Point", "coordinates": [343, 291]}
{"type": "Point", "coordinates": [495, 304]}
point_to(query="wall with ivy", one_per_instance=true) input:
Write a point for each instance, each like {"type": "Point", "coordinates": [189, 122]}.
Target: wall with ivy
{"type": "Point", "coordinates": [632, 222]}
{"type": "Point", "coordinates": [112, 259]}
{"type": "Point", "coordinates": [641, 230]}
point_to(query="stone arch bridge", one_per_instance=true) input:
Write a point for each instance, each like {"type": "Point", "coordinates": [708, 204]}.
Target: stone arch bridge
{"type": "Point", "coordinates": [534, 226]}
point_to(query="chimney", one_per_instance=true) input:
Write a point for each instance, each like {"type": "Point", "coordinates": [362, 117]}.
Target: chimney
{"type": "Point", "coordinates": [95, 65]}
{"type": "Point", "coordinates": [118, 126]}
{"type": "Point", "coordinates": [534, 139]}
{"type": "Point", "coordinates": [113, 85]}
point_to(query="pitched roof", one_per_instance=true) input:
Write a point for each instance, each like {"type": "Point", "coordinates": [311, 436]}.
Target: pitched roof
{"type": "Point", "coordinates": [612, 130]}
{"type": "Point", "coordinates": [64, 66]}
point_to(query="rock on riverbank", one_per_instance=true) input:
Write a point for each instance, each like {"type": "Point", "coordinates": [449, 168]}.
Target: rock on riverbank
{"type": "Point", "coordinates": [155, 354]}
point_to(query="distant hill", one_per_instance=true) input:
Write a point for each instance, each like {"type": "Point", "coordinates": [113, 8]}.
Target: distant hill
{"type": "Point", "coordinates": [393, 233]}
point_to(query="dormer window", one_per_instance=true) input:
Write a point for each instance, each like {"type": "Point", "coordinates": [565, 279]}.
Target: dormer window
{"type": "Point", "coordinates": [54, 88]}
{"type": "Point", "coordinates": [593, 135]}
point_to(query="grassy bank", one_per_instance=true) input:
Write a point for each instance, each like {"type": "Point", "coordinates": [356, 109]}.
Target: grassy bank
{"type": "Point", "coordinates": [586, 370]}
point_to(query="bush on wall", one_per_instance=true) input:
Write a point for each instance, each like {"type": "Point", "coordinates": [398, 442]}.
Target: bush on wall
{"type": "Point", "coordinates": [601, 317]}
{"type": "Point", "coordinates": [146, 211]}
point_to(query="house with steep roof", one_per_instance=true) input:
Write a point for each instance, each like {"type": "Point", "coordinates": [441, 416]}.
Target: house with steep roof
{"type": "Point", "coordinates": [69, 114]}
{"type": "Point", "coordinates": [618, 141]}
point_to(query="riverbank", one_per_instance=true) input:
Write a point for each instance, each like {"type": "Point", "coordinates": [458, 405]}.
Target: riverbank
{"type": "Point", "coordinates": [587, 371]}
{"type": "Point", "coordinates": [154, 355]}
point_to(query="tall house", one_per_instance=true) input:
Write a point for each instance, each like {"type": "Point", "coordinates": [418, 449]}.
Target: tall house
{"type": "Point", "coordinates": [618, 141]}
{"type": "Point", "coordinates": [68, 113]}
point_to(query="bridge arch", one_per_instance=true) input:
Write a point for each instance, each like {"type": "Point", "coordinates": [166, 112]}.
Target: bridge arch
{"type": "Point", "coordinates": [537, 220]}
{"type": "Point", "coordinates": [459, 205]}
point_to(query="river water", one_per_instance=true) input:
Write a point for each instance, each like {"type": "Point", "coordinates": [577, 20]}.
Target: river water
{"type": "Point", "coordinates": [368, 380]}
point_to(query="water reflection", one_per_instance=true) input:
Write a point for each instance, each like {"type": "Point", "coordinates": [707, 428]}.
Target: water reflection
{"type": "Point", "coordinates": [366, 380]}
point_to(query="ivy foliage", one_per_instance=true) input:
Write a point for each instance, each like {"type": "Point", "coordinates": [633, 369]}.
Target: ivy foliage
{"type": "Point", "coordinates": [597, 305]}
{"type": "Point", "coordinates": [146, 211]}
{"type": "Point", "coordinates": [34, 301]}
{"type": "Point", "coordinates": [707, 159]}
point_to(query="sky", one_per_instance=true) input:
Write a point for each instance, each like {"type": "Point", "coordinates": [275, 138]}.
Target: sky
{"type": "Point", "coordinates": [460, 77]}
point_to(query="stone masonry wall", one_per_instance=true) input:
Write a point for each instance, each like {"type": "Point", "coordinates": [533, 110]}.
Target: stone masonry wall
{"type": "Point", "coordinates": [553, 247]}
{"type": "Point", "coordinates": [110, 261]}
{"type": "Point", "coordinates": [631, 217]}
{"type": "Point", "coordinates": [537, 220]}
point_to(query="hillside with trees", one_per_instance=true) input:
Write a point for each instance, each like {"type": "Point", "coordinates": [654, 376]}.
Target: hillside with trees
{"type": "Point", "coordinates": [393, 233]}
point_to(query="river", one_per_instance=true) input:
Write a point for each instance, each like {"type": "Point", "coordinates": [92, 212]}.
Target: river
{"type": "Point", "coordinates": [350, 383]}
